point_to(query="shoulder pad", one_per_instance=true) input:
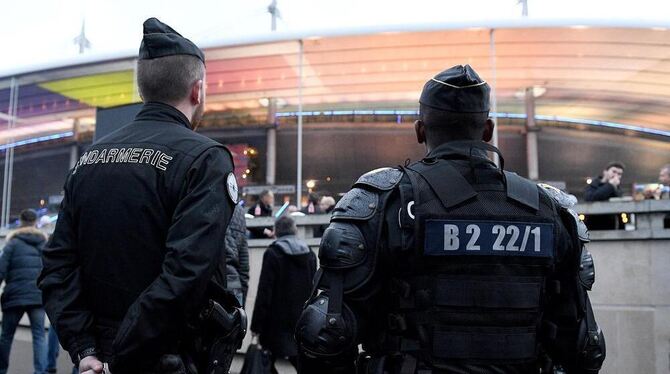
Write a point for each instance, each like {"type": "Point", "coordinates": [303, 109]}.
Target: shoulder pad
{"type": "Point", "coordinates": [381, 179]}
{"type": "Point", "coordinates": [561, 198]}
{"type": "Point", "coordinates": [358, 204]}
{"type": "Point", "coordinates": [582, 230]}
{"type": "Point", "coordinates": [342, 246]}
{"type": "Point", "coordinates": [587, 270]}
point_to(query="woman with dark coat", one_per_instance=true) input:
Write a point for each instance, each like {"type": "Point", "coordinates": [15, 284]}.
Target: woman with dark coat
{"type": "Point", "coordinates": [285, 283]}
{"type": "Point", "coordinates": [20, 265]}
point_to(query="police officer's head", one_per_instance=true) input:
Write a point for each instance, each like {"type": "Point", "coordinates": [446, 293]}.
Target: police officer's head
{"type": "Point", "coordinates": [454, 105]}
{"type": "Point", "coordinates": [171, 70]}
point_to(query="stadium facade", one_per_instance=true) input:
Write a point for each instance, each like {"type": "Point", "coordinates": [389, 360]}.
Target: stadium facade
{"type": "Point", "coordinates": [569, 97]}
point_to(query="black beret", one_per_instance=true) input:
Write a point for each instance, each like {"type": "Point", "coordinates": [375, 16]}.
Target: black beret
{"type": "Point", "coordinates": [458, 89]}
{"type": "Point", "coordinates": [161, 40]}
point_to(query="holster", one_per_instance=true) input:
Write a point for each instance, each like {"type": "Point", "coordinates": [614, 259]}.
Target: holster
{"type": "Point", "coordinates": [222, 332]}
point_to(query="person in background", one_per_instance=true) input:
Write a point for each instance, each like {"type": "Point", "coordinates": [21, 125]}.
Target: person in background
{"type": "Point", "coordinates": [326, 205]}
{"type": "Point", "coordinates": [237, 256]}
{"type": "Point", "coordinates": [284, 286]}
{"type": "Point", "coordinates": [20, 265]}
{"type": "Point", "coordinates": [262, 208]}
{"type": "Point", "coordinates": [664, 175]}
{"type": "Point", "coordinates": [312, 204]}
{"type": "Point", "coordinates": [606, 186]}
{"type": "Point", "coordinates": [52, 352]}
{"type": "Point", "coordinates": [664, 179]}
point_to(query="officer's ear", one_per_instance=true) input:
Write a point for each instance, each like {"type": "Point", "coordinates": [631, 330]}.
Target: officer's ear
{"type": "Point", "coordinates": [420, 130]}
{"type": "Point", "coordinates": [197, 95]}
{"type": "Point", "coordinates": [488, 130]}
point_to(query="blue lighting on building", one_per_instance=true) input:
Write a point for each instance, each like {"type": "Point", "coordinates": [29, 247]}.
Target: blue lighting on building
{"type": "Point", "coordinates": [400, 113]}
{"type": "Point", "coordinates": [40, 139]}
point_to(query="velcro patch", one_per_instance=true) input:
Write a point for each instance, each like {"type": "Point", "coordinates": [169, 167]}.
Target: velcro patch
{"type": "Point", "coordinates": [488, 238]}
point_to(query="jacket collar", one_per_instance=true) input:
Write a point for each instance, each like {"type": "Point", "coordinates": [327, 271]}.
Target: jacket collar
{"type": "Point", "coordinates": [155, 111]}
{"type": "Point", "coordinates": [462, 148]}
{"type": "Point", "coordinates": [26, 230]}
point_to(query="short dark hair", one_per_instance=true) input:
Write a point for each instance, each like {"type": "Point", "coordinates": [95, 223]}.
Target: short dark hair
{"type": "Point", "coordinates": [313, 197]}
{"type": "Point", "coordinates": [285, 225]}
{"type": "Point", "coordinates": [442, 125]}
{"type": "Point", "coordinates": [264, 193]}
{"type": "Point", "coordinates": [615, 164]}
{"type": "Point", "coordinates": [168, 79]}
{"type": "Point", "coordinates": [28, 217]}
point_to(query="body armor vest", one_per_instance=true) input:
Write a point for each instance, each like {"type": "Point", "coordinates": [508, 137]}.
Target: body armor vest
{"type": "Point", "coordinates": [469, 284]}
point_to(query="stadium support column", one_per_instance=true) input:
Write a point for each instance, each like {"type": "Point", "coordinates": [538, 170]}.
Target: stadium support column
{"type": "Point", "coordinates": [493, 85]}
{"type": "Point", "coordinates": [271, 149]}
{"type": "Point", "coordinates": [531, 136]}
{"type": "Point", "coordinates": [298, 187]}
{"type": "Point", "coordinates": [9, 155]}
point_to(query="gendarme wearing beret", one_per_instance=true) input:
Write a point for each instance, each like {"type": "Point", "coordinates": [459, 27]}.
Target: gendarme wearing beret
{"type": "Point", "coordinates": [458, 89]}
{"type": "Point", "coordinates": [161, 40]}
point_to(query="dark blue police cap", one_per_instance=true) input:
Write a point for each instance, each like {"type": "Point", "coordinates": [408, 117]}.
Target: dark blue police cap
{"type": "Point", "coordinates": [458, 89]}
{"type": "Point", "coordinates": [161, 40]}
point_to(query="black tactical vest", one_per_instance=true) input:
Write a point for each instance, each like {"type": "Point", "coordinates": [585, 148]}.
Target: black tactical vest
{"type": "Point", "coordinates": [469, 285]}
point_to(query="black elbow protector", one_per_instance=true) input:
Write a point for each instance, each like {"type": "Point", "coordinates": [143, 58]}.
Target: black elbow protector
{"type": "Point", "coordinates": [320, 334]}
{"type": "Point", "coordinates": [592, 349]}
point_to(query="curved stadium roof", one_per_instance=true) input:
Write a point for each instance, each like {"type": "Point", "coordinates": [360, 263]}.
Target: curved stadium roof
{"type": "Point", "coordinates": [598, 72]}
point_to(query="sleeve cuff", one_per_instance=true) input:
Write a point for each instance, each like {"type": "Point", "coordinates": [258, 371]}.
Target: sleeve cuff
{"type": "Point", "coordinates": [82, 343]}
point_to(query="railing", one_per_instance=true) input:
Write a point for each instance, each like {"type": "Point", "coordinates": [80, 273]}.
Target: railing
{"type": "Point", "coordinates": [648, 217]}
{"type": "Point", "coordinates": [647, 220]}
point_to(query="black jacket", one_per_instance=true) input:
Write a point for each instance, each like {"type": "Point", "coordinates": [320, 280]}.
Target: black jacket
{"type": "Point", "coordinates": [284, 286]}
{"type": "Point", "coordinates": [20, 264]}
{"type": "Point", "coordinates": [600, 191]}
{"type": "Point", "coordinates": [144, 212]}
{"type": "Point", "coordinates": [237, 253]}
{"type": "Point", "coordinates": [259, 210]}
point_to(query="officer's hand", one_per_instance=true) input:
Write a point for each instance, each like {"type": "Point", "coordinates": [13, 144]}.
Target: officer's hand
{"type": "Point", "coordinates": [90, 365]}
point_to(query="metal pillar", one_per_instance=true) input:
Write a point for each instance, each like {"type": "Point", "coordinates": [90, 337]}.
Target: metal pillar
{"type": "Point", "coordinates": [9, 156]}
{"type": "Point", "coordinates": [531, 136]}
{"type": "Point", "coordinates": [271, 149]}
{"type": "Point", "coordinates": [298, 187]}
{"type": "Point", "coordinates": [493, 83]}
{"type": "Point", "coordinates": [74, 155]}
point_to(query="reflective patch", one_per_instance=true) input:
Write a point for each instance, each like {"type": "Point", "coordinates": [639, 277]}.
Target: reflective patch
{"type": "Point", "coordinates": [231, 186]}
{"type": "Point", "coordinates": [488, 238]}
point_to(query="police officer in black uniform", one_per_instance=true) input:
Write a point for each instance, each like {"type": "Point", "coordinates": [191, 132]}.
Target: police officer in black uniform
{"type": "Point", "coordinates": [139, 234]}
{"type": "Point", "coordinates": [451, 264]}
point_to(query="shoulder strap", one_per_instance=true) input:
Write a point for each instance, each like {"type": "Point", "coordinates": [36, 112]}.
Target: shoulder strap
{"type": "Point", "coordinates": [522, 190]}
{"type": "Point", "coordinates": [445, 181]}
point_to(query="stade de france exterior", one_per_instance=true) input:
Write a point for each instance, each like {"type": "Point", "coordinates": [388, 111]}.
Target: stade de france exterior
{"type": "Point", "coordinates": [600, 92]}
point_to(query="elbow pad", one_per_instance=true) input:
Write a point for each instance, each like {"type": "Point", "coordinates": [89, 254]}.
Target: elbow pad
{"type": "Point", "coordinates": [592, 349]}
{"type": "Point", "coordinates": [321, 334]}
